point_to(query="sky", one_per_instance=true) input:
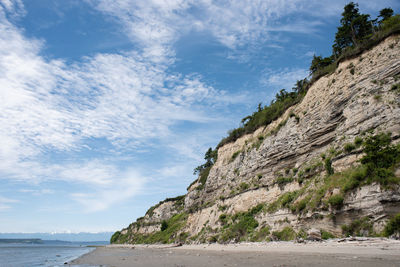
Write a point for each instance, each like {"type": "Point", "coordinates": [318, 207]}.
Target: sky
{"type": "Point", "coordinates": [107, 106]}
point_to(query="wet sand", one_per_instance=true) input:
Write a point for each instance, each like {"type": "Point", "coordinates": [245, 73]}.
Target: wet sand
{"type": "Point", "coordinates": [365, 253]}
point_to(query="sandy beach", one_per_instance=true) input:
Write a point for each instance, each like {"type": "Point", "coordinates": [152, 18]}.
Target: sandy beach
{"type": "Point", "coordinates": [360, 252]}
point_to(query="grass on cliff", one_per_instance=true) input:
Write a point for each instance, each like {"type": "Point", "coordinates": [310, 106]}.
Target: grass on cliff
{"type": "Point", "coordinates": [267, 114]}
{"type": "Point", "coordinates": [168, 234]}
{"type": "Point", "coordinates": [179, 200]}
{"type": "Point", "coordinates": [393, 226]}
{"type": "Point", "coordinates": [240, 226]}
{"type": "Point", "coordinates": [359, 227]}
{"type": "Point", "coordinates": [286, 234]}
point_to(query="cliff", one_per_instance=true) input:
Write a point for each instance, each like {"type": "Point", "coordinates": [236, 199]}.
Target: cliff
{"type": "Point", "coordinates": [302, 175]}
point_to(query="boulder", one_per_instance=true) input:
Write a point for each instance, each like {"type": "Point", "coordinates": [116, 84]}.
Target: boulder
{"type": "Point", "coordinates": [314, 235]}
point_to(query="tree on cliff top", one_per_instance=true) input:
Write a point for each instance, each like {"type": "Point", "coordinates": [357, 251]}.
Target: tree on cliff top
{"type": "Point", "coordinates": [210, 157]}
{"type": "Point", "coordinates": [384, 14]}
{"type": "Point", "coordinates": [354, 28]}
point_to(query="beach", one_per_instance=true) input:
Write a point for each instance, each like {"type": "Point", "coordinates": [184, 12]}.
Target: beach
{"type": "Point", "coordinates": [359, 252]}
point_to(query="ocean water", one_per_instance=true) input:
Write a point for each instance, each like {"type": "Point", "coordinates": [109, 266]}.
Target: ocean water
{"type": "Point", "coordinates": [46, 254]}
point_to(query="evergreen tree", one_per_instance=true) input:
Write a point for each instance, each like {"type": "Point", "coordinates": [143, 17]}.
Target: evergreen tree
{"type": "Point", "coordinates": [384, 14]}
{"type": "Point", "coordinates": [355, 27]}
{"type": "Point", "coordinates": [300, 86]}
{"type": "Point", "coordinates": [318, 63]}
{"type": "Point", "coordinates": [345, 36]}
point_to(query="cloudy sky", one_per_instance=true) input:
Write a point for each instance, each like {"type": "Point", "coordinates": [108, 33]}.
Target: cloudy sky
{"type": "Point", "coordinates": [107, 106]}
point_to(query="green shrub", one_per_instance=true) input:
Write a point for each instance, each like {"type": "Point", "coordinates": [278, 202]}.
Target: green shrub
{"type": "Point", "coordinates": [379, 153]}
{"type": "Point", "coordinates": [378, 97]}
{"type": "Point", "coordinates": [213, 239]}
{"type": "Point", "coordinates": [242, 225]}
{"type": "Point", "coordinates": [243, 186]}
{"type": "Point", "coordinates": [350, 184]}
{"type": "Point", "coordinates": [286, 234]}
{"type": "Point", "coordinates": [234, 155]}
{"type": "Point", "coordinates": [359, 173]}
{"type": "Point", "coordinates": [164, 225]}
{"type": "Point", "coordinates": [336, 201]}
{"type": "Point", "coordinates": [393, 226]}
{"type": "Point", "coordinates": [203, 178]}
{"type": "Point", "coordinates": [260, 235]}
{"type": "Point", "coordinates": [380, 158]}
{"type": "Point", "coordinates": [257, 209]}
{"type": "Point", "coordinates": [258, 142]}
{"type": "Point", "coordinates": [391, 23]}
{"type": "Point", "coordinates": [358, 141]}
{"type": "Point", "coordinates": [302, 234]}
{"type": "Point", "coordinates": [354, 178]}
{"type": "Point", "coordinates": [328, 166]}
{"type": "Point", "coordinates": [326, 235]}
{"type": "Point", "coordinates": [395, 86]}
{"type": "Point", "coordinates": [284, 180]}
{"type": "Point", "coordinates": [115, 237]}
{"type": "Point", "coordinates": [182, 237]}
{"type": "Point", "coordinates": [287, 199]}
{"type": "Point", "coordinates": [223, 218]}
{"type": "Point", "coordinates": [222, 207]}
{"type": "Point", "coordinates": [359, 227]}
{"type": "Point", "coordinates": [302, 204]}
{"type": "Point", "coordinates": [292, 114]}
{"type": "Point", "coordinates": [283, 201]}
{"type": "Point", "coordinates": [349, 147]}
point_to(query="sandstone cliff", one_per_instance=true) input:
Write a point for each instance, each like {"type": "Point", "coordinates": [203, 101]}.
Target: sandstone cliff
{"type": "Point", "coordinates": [277, 183]}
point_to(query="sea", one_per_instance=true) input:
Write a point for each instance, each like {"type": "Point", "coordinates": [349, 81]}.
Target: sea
{"type": "Point", "coordinates": [47, 254]}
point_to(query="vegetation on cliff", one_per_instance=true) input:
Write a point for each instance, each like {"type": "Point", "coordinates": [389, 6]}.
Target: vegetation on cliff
{"type": "Point", "coordinates": [380, 160]}
{"type": "Point", "coordinates": [377, 165]}
{"type": "Point", "coordinates": [356, 34]}
{"type": "Point", "coordinates": [316, 187]}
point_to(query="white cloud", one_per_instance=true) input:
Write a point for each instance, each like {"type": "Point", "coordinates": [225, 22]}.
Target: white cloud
{"type": "Point", "coordinates": [51, 106]}
{"type": "Point", "coordinates": [285, 78]}
{"type": "Point", "coordinates": [157, 24]}
{"type": "Point", "coordinates": [100, 199]}
{"type": "Point", "coordinates": [14, 7]}
{"type": "Point", "coordinates": [309, 54]}
{"type": "Point", "coordinates": [5, 203]}
{"type": "Point", "coordinates": [37, 192]}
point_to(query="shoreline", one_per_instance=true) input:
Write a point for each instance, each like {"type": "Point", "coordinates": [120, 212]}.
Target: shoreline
{"type": "Point", "coordinates": [363, 252]}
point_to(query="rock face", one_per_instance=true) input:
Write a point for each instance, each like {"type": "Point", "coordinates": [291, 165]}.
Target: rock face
{"type": "Point", "coordinates": [290, 154]}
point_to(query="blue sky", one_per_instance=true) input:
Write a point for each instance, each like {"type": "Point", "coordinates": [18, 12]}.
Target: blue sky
{"type": "Point", "coordinates": [107, 106]}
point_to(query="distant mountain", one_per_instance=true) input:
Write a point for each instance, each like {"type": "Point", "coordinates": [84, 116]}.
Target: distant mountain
{"type": "Point", "coordinates": [20, 241]}
{"type": "Point", "coordinates": [71, 237]}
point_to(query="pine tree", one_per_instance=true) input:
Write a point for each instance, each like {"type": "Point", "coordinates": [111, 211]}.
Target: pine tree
{"type": "Point", "coordinates": [355, 27]}
{"type": "Point", "coordinates": [384, 14]}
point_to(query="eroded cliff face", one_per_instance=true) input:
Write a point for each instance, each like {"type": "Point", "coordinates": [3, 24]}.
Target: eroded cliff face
{"type": "Point", "coordinates": [288, 159]}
